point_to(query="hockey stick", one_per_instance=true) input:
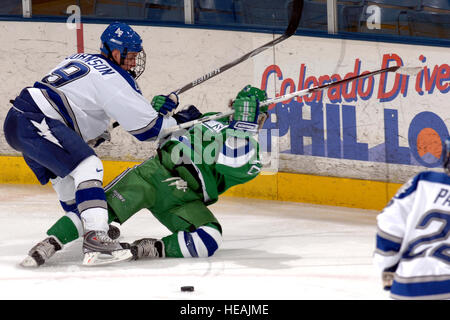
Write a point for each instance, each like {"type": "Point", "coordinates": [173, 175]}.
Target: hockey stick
{"type": "Point", "coordinates": [296, 14]}
{"type": "Point", "coordinates": [403, 70]}
{"type": "Point", "coordinates": [304, 92]}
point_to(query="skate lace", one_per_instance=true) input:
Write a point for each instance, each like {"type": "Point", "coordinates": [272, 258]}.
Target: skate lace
{"type": "Point", "coordinates": [45, 248]}
{"type": "Point", "coordinates": [148, 248]}
{"type": "Point", "coordinates": [103, 237]}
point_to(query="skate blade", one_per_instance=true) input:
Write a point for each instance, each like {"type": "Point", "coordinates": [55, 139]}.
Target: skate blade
{"type": "Point", "coordinates": [29, 262]}
{"type": "Point", "coordinates": [99, 258]}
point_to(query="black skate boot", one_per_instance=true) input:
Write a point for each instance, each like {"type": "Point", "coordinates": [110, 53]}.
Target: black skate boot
{"type": "Point", "coordinates": [113, 232]}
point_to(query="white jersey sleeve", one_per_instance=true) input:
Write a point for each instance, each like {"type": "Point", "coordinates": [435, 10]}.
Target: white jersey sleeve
{"type": "Point", "coordinates": [413, 238]}
{"type": "Point", "coordinates": [86, 91]}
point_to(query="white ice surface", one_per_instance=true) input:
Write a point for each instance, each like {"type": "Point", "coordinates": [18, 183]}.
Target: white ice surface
{"type": "Point", "coordinates": [271, 250]}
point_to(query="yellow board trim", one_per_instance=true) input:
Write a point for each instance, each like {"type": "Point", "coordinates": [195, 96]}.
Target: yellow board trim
{"type": "Point", "coordinates": [283, 186]}
{"type": "Point", "coordinates": [14, 170]}
{"type": "Point", "coordinates": [333, 191]}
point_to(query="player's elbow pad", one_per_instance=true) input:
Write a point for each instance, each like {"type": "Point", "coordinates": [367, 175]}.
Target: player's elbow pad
{"type": "Point", "coordinates": [153, 130]}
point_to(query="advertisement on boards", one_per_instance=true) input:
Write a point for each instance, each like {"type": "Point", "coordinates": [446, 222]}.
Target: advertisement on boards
{"type": "Point", "coordinates": [390, 120]}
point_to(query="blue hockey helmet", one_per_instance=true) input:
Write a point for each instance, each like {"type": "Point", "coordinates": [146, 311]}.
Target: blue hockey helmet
{"type": "Point", "coordinates": [122, 37]}
{"type": "Point", "coordinates": [446, 155]}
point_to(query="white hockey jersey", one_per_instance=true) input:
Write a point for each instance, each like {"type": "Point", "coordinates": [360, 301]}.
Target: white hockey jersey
{"type": "Point", "coordinates": [413, 238]}
{"type": "Point", "coordinates": [85, 91]}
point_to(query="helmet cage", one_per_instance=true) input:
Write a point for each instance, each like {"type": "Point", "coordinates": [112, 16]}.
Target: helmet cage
{"type": "Point", "coordinates": [139, 69]}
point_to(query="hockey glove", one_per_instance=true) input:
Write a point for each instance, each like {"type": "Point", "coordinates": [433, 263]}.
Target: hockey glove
{"type": "Point", "coordinates": [187, 114]}
{"type": "Point", "coordinates": [246, 111]}
{"type": "Point", "coordinates": [165, 104]}
{"type": "Point", "coordinates": [246, 108]}
{"type": "Point", "coordinates": [249, 91]}
{"type": "Point", "coordinates": [105, 136]}
{"type": "Point", "coordinates": [387, 278]}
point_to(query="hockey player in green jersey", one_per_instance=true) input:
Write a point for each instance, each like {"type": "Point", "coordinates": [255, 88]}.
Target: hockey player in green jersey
{"type": "Point", "coordinates": [191, 169]}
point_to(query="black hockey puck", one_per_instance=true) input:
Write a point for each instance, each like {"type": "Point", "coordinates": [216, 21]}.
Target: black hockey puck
{"type": "Point", "coordinates": [187, 288]}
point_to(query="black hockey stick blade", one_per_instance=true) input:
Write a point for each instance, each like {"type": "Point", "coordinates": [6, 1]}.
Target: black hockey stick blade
{"type": "Point", "coordinates": [296, 14]}
{"type": "Point", "coordinates": [297, 8]}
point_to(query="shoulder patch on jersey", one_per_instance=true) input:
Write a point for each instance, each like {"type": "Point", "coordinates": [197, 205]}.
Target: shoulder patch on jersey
{"type": "Point", "coordinates": [215, 125]}
{"type": "Point", "coordinates": [409, 187]}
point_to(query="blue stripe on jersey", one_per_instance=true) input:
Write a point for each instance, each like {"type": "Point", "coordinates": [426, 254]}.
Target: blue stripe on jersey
{"type": "Point", "coordinates": [386, 245]}
{"type": "Point", "coordinates": [209, 241]}
{"type": "Point", "coordinates": [152, 132]}
{"type": "Point", "coordinates": [431, 176]}
{"type": "Point", "coordinates": [186, 141]}
{"type": "Point", "coordinates": [122, 72]}
{"type": "Point", "coordinates": [410, 189]}
{"type": "Point", "coordinates": [59, 103]}
{"type": "Point", "coordinates": [236, 152]}
{"type": "Point", "coordinates": [420, 289]}
{"type": "Point", "coordinates": [190, 244]}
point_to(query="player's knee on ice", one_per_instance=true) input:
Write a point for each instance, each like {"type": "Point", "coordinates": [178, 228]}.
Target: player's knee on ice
{"type": "Point", "coordinates": [201, 243]}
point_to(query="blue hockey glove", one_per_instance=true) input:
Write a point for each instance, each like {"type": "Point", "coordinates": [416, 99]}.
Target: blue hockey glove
{"type": "Point", "coordinates": [165, 104]}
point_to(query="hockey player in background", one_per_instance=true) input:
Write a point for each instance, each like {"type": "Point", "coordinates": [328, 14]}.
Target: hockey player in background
{"type": "Point", "coordinates": [413, 237]}
{"type": "Point", "coordinates": [188, 173]}
{"type": "Point", "coordinates": [52, 122]}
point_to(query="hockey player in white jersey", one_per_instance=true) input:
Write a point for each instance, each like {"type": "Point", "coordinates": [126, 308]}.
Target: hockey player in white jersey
{"type": "Point", "coordinates": [412, 241]}
{"type": "Point", "coordinates": [53, 122]}
{"type": "Point", "coordinates": [177, 185]}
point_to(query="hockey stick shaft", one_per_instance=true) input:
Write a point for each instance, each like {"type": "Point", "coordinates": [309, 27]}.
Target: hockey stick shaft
{"type": "Point", "coordinates": [404, 70]}
{"type": "Point", "coordinates": [299, 93]}
{"type": "Point", "coordinates": [296, 14]}
{"type": "Point", "coordinates": [197, 121]}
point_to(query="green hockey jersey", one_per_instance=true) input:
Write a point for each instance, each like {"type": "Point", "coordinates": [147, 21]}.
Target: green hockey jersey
{"type": "Point", "coordinates": [211, 157]}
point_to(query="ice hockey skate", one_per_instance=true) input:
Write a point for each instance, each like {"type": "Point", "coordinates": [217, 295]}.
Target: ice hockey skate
{"type": "Point", "coordinates": [100, 249]}
{"type": "Point", "coordinates": [147, 248]}
{"type": "Point", "coordinates": [113, 232]}
{"type": "Point", "coordinates": [41, 252]}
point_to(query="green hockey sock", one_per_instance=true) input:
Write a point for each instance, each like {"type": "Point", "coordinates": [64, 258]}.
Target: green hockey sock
{"type": "Point", "coordinates": [171, 246]}
{"type": "Point", "coordinates": [64, 230]}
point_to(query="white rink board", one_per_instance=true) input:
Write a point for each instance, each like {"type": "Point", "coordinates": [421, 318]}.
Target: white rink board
{"type": "Point", "coordinates": [356, 137]}
{"type": "Point", "coordinates": [402, 115]}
